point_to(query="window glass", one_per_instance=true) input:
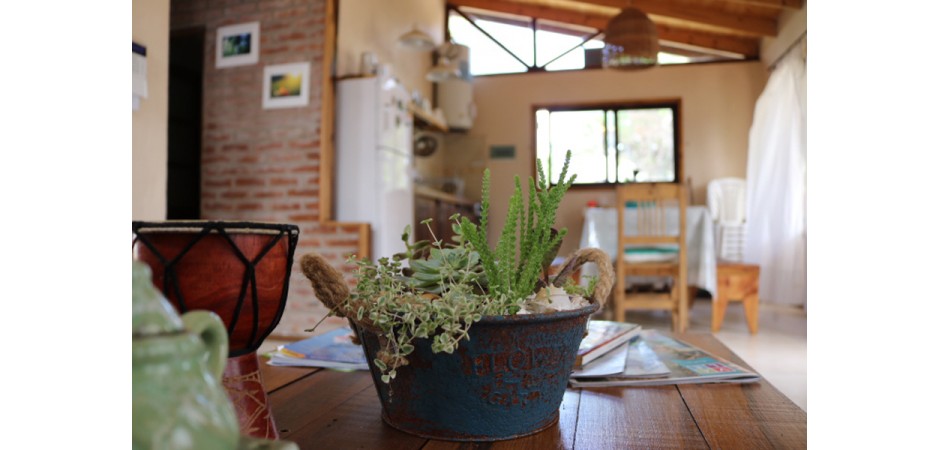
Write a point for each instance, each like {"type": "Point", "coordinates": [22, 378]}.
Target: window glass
{"type": "Point", "coordinates": [486, 57]}
{"type": "Point", "coordinates": [645, 147]}
{"type": "Point", "coordinates": [517, 38]}
{"type": "Point", "coordinates": [669, 58]}
{"type": "Point", "coordinates": [552, 48]}
{"type": "Point", "coordinates": [560, 46]}
{"type": "Point", "coordinates": [614, 144]}
{"type": "Point", "coordinates": [582, 132]}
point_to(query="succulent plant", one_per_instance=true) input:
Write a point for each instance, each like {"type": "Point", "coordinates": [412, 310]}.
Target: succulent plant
{"type": "Point", "coordinates": [435, 268]}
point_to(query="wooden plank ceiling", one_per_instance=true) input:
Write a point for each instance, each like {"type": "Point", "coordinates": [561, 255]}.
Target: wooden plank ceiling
{"type": "Point", "coordinates": [730, 28]}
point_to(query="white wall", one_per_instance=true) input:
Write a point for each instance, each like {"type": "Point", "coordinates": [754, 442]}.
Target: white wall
{"type": "Point", "coordinates": [374, 26]}
{"type": "Point", "coordinates": [151, 22]}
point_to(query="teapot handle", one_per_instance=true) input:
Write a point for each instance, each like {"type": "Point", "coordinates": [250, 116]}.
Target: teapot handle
{"type": "Point", "coordinates": [212, 331]}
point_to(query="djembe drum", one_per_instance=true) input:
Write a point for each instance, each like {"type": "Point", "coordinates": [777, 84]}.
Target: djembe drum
{"type": "Point", "coordinates": [240, 271]}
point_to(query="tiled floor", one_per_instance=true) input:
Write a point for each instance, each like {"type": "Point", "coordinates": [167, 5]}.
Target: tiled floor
{"type": "Point", "coordinates": [777, 351]}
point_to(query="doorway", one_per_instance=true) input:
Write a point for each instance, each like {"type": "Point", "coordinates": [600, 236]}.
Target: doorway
{"type": "Point", "coordinates": [184, 124]}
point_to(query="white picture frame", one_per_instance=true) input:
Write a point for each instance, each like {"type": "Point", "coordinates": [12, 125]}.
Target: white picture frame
{"type": "Point", "coordinates": [237, 45]}
{"type": "Point", "coordinates": [286, 86]}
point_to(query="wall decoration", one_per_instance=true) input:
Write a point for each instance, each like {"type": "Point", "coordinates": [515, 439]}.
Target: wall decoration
{"type": "Point", "coordinates": [237, 45]}
{"type": "Point", "coordinates": [286, 86]}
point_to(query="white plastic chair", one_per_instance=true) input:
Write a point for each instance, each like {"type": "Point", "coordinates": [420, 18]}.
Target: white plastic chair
{"type": "Point", "coordinates": [726, 199]}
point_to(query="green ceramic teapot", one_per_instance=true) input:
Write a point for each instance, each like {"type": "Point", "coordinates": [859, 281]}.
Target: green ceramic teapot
{"type": "Point", "coordinates": [179, 401]}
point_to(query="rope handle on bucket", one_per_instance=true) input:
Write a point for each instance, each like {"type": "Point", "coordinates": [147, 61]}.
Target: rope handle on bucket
{"type": "Point", "coordinates": [605, 270]}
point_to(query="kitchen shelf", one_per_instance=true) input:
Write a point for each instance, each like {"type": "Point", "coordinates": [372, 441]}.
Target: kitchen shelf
{"type": "Point", "coordinates": [426, 120]}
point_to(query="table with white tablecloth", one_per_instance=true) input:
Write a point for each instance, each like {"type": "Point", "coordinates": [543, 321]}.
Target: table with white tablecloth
{"type": "Point", "coordinates": [600, 231]}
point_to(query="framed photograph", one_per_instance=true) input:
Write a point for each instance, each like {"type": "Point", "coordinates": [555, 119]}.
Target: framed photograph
{"type": "Point", "coordinates": [237, 45]}
{"type": "Point", "coordinates": [286, 86]}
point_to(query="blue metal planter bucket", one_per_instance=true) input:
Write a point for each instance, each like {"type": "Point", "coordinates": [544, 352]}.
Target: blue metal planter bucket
{"type": "Point", "coordinates": [507, 381]}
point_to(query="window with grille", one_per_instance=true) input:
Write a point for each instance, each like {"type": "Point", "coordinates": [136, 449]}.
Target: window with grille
{"type": "Point", "coordinates": [610, 144]}
{"type": "Point", "coordinates": [506, 43]}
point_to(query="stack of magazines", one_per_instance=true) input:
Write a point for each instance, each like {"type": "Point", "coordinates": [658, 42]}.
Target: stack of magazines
{"type": "Point", "coordinates": [602, 337]}
{"type": "Point", "coordinates": [334, 350]}
{"type": "Point", "coordinates": [652, 359]}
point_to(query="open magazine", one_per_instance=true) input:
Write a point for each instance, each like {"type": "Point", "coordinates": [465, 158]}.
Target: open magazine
{"type": "Point", "coordinates": [632, 360]}
{"type": "Point", "coordinates": [334, 349]}
{"type": "Point", "coordinates": [684, 363]}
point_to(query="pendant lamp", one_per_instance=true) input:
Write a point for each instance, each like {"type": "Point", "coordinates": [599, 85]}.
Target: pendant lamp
{"type": "Point", "coordinates": [416, 40]}
{"type": "Point", "coordinates": [630, 41]}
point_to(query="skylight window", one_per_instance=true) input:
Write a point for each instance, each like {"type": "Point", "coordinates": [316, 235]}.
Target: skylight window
{"type": "Point", "coordinates": [504, 43]}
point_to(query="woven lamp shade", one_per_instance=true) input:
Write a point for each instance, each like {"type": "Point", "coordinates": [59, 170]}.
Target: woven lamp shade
{"type": "Point", "coordinates": [631, 41]}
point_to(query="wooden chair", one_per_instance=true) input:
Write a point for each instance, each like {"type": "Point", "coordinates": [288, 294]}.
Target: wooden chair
{"type": "Point", "coordinates": [650, 247]}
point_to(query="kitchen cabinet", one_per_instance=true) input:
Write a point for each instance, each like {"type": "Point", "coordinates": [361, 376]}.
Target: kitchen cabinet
{"type": "Point", "coordinates": [439, 206]}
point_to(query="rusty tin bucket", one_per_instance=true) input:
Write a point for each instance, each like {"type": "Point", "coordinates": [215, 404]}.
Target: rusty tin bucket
{"type": "Point", "coordinates": [507, 381]}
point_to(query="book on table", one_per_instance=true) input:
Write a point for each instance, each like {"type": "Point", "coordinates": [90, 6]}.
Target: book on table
{"type": "Point", "coordinates": [655, 359]}
{"type": "Point", "coordinates": [602, 337]}
{"type": "Point", "coordinates": [333, 349]}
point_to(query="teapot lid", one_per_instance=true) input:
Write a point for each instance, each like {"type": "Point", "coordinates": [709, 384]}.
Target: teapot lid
{"type": "Point", "coordinates": [152, 313]}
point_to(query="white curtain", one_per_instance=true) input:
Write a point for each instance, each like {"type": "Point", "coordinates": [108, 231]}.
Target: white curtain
{"type": "Point", "coordinates": [776, 184]}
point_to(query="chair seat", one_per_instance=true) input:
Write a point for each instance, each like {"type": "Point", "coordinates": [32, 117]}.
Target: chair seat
{"type": "Point", "coordinates": [652, 269]}
{"type": "Point", "coordinates": [646, 301]}
{"type": "Point", "coordinates": [651, 254]}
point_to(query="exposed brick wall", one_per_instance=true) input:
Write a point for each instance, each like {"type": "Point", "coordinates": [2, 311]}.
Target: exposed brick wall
{"type": "Point", "coordinates": [335, 243]}
{"type": "Point", "coordinates": [263, 165]}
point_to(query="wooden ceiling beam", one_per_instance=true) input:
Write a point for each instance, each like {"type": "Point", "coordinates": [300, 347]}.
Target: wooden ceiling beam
{"type": "Point", "coordinates": [748, 47]}
{"type": "Point", "coordinates": [707, 15]}
{"type": "Point", "coordinates": [794, 4]}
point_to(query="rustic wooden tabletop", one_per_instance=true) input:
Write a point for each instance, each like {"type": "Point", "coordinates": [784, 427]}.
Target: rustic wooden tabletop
{"type": "Point", "coordinates": [326, 409]}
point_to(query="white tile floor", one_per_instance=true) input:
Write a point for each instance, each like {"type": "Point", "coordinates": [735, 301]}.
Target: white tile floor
{"type": "Point", "coordinates": [777, 351]}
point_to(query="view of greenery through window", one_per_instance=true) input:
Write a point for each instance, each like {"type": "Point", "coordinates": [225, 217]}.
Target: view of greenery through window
{"type": "Point", "coordinates": [545, 48]}
{"type": "Point", "coordinates": [610, 145]}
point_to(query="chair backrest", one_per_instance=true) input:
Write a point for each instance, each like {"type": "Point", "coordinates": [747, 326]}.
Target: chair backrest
{"type": "Point", "coordinates": [651, 222]}
{"type": "Point", "coordinates": [654, 216]}
{"type": "Point", "coordinates": [727, 200]}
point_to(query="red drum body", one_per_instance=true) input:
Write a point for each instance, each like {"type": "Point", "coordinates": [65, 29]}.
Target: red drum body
{"type": "Point", "coordinates": [238, 270]}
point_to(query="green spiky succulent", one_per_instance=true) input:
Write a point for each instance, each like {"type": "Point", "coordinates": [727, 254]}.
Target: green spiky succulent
{"type": "Point", "coordinates": [516, 265]}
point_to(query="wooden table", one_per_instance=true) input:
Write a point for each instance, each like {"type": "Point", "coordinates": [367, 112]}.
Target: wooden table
{"type": "Point", "coordinates": [325, 409]}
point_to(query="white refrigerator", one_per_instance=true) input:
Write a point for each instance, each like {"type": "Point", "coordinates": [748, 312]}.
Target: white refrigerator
{"type": "Point", "coordinates": [375, 182]}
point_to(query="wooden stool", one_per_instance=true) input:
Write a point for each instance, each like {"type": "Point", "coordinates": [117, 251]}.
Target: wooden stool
{"type": "Point", "coordinates": [736, 282]}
